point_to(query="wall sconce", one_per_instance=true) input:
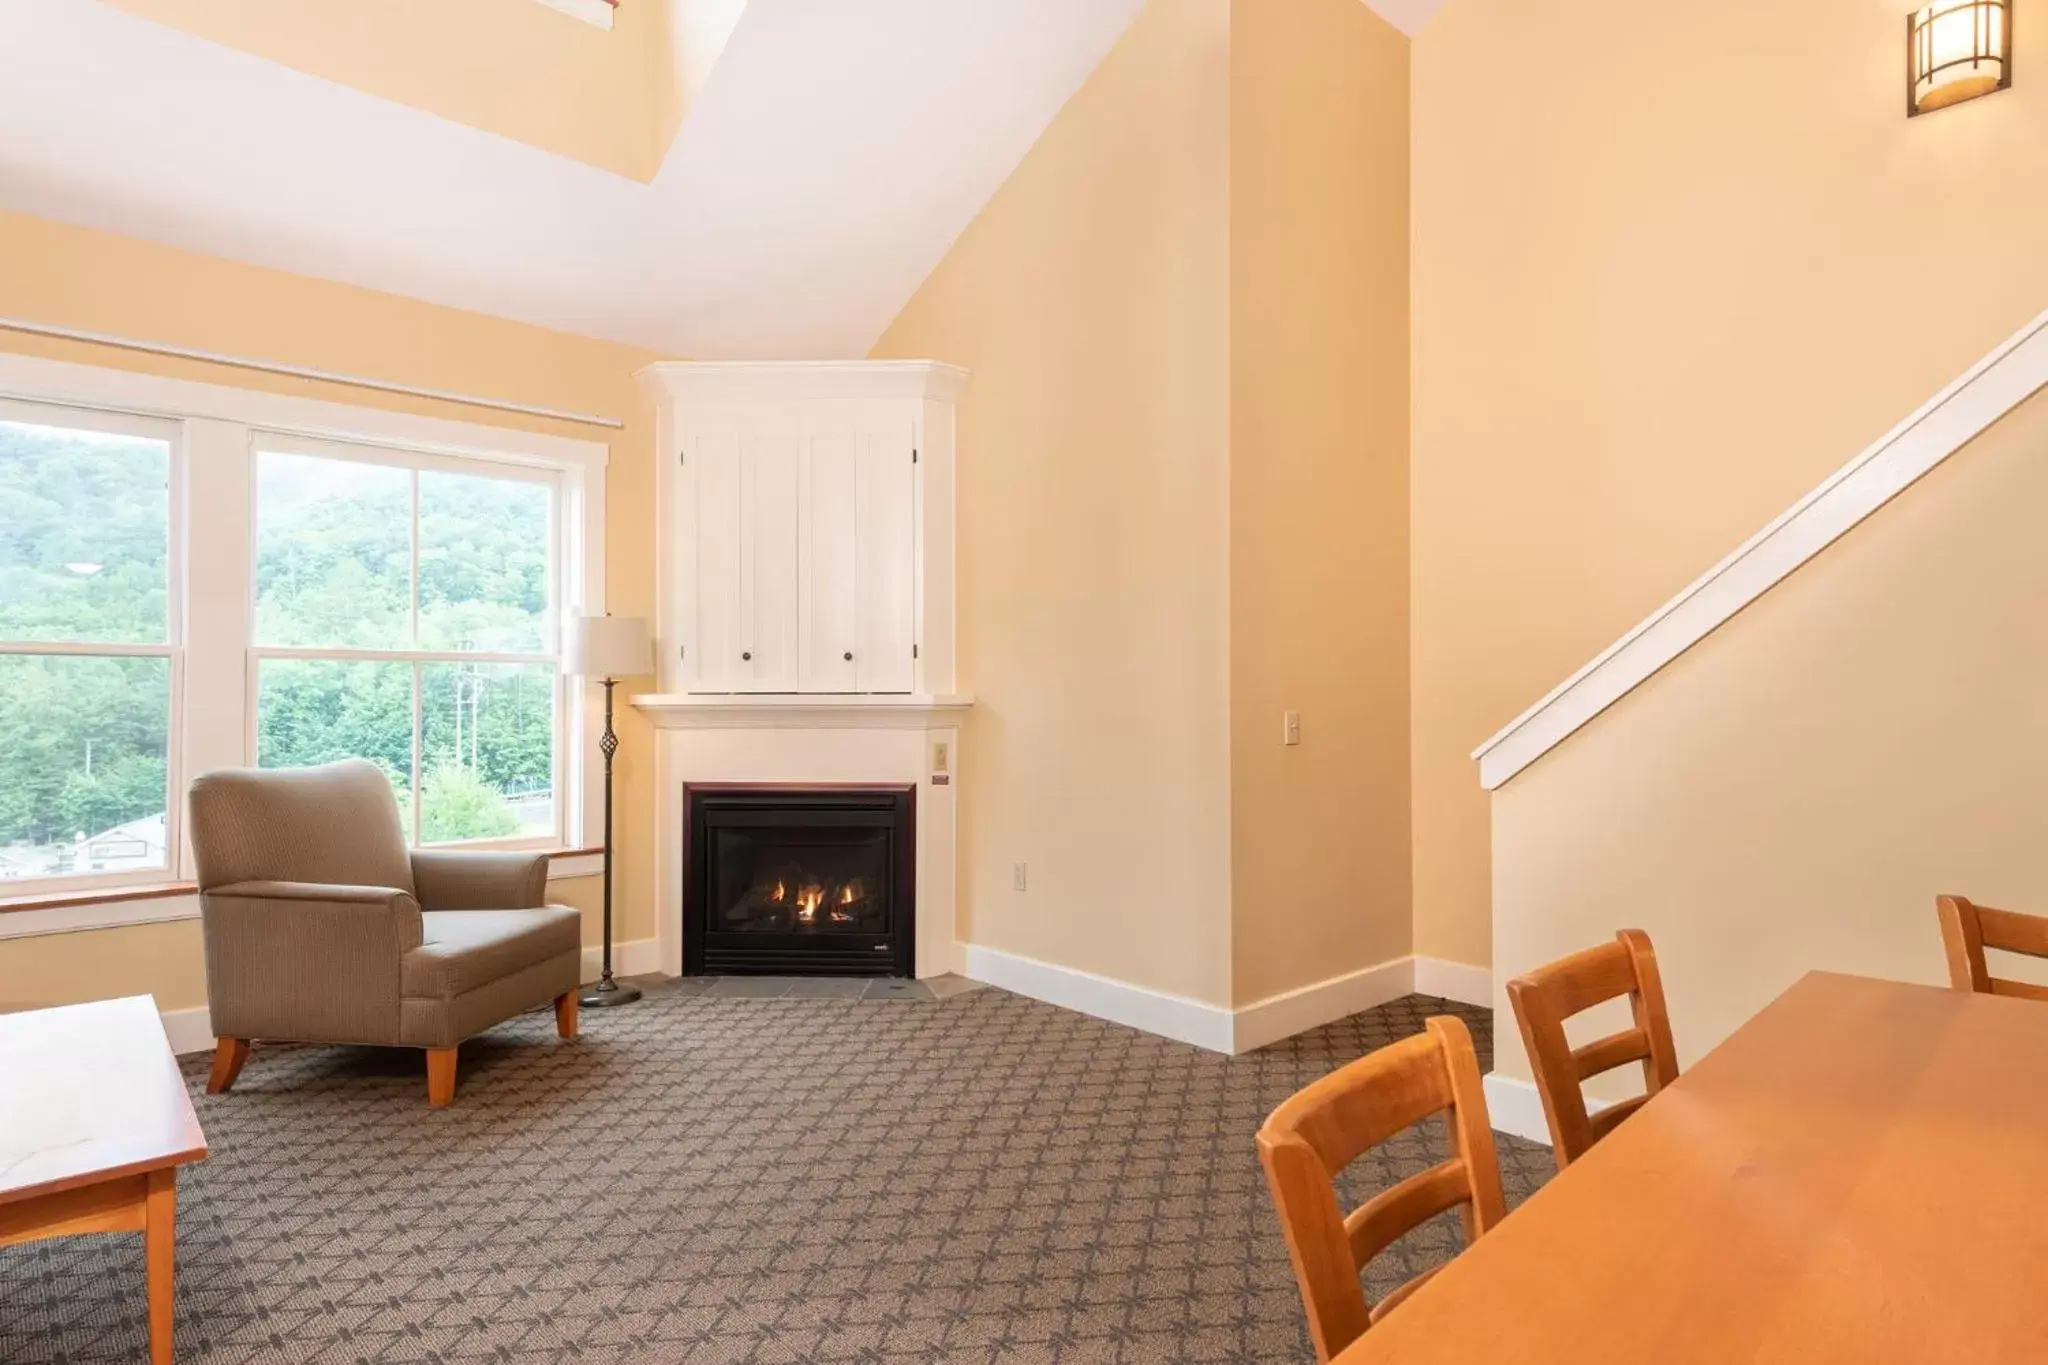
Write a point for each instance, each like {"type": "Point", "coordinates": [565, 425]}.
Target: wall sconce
{"type": "Point", "coordinates": [1957, 50]}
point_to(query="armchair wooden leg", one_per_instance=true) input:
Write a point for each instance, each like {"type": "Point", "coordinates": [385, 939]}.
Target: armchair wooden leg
{"type": "Point", "coordinates": [565, 1014]}
{"type": "Point", "coordinates": [228, 1056]}
{"type": "Point", "coordinates": [440, 1075]}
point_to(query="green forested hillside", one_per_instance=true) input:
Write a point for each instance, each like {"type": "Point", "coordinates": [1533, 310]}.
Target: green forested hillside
{"type": "Point", "coordinates": [83, 559]}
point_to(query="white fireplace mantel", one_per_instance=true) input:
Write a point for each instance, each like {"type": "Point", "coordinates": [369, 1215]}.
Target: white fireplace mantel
{"type": "Point", "coordinates": [802, 711]}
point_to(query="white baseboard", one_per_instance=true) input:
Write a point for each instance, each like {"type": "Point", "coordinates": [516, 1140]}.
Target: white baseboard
{"type": "Point", "coordinates": [189, 1030]}
{"type": "Point", "coordinates": [1454, 981]}
{"type": "Point", "coordinates": [1297, 1011]}
{"type": "Point", "coordinates": [1514, 1107]}
{"type": "Point", "coordinates": [634, 957]}
{"type": "Point", "coordinates": [1212, 1026]}
{"type": "Point", "coordinates": [1170, 1016]}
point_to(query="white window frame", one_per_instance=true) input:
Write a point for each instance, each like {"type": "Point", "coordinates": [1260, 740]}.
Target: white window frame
{"type": "Point", "coordinates": [171, 650]}
{"type": "Point", "coordinates": [415, 461]}
{"type": "Point", "coordinates": [213, 566]}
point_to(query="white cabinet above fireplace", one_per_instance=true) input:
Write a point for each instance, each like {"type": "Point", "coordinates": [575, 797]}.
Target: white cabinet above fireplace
{"type": "Point", "coordinates": [807, 527]}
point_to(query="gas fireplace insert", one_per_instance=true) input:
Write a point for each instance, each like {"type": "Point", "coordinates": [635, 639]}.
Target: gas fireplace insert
{"type": "Point", "coordinates": [799, 881]}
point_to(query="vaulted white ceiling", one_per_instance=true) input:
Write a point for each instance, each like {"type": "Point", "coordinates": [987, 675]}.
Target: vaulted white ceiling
{"type": "Point", "coordinates": [1407, 15]}
{"type": "Point", "coordinates": [833, 156]}
{"type": "Point", "coordinates": [825, 168]}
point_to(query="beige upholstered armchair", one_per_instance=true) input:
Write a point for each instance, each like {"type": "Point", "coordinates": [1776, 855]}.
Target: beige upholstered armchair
{"type": "Point", "coordinates": [322, 927]}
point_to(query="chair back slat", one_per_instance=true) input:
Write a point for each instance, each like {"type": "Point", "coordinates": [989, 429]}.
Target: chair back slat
{"type": "Point", "coordinates": [1609, 1118]}
{"type": "Point", "coordinates": [1311, 1137]}
{"type": "Point", "coordinates": [1548, 996]}
{"type": "Point", "coordinates": [1376, 1224]}
{"type": "Point", "coordinates": [1359, 1106]}
{"type": "Point", "coordinates": [1967, 929]}
{"type": "Point", "coordinates": [1589, 977]}
{"type": "Point", "coordinates": [1605, 1054]}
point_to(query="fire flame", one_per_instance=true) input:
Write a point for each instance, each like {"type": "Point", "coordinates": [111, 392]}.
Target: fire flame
{"type": "Point", "coordinates": [807, 902]}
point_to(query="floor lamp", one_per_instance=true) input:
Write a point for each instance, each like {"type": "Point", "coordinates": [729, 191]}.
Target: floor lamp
{"type": "Point", "coordinates": [609, 648]}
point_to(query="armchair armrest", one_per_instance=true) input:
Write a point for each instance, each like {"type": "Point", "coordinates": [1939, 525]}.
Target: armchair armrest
{"type": "Point", "coordinates": [310, 891]}
{"type": "Point", "coordinates": [447, 879]}
{"type": "Point", "coordinates": [307, 961]}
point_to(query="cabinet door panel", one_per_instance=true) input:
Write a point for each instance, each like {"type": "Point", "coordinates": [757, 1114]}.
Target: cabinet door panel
{"type": "Point", "coordinates": [768, 568]}
{"type": "Point", "coordinates": [887, 591]}
{"type": "Point", "coordinates": [828, 503]}
{"type": "Point", "coordinates": [715, 461]}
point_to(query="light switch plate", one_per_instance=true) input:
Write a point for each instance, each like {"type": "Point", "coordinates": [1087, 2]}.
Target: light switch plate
{"type": "Point", "coordinates": [1290, 727]}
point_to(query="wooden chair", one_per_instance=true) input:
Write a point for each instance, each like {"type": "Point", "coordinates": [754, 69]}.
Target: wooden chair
{"type": "Point", "coordinates": [1322, 1129]}
{"type": "Point", "coordinates": [1967, 930]}
{"type": "Point", "coordinates": [1548, 996]}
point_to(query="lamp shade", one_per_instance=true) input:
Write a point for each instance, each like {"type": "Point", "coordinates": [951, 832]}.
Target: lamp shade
{"type": "Point", "coordinates": [608, 647]}
{"type": "Point", "coordinates": [1956, 51]}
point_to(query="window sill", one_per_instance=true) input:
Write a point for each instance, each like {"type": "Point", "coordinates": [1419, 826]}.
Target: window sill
{"type": "Point", "coordinates": [115, 907]}
{"type": "Point", "coordinates": [105, 895]}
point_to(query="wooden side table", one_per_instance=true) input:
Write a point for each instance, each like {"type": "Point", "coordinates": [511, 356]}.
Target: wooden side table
{"type": "Point", "coordinates": [94, 1123]}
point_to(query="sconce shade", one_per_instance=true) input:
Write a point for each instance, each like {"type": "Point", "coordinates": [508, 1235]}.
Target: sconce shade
{"type": "Point", "coordinates": [608, 647]}
{"type": "Point", "coordinates": [1957, 50]}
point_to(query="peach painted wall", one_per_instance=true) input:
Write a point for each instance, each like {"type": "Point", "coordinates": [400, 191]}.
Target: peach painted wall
{"type": "Point", "coordinates": [1091, 300]}
{"type": "Point", "coordinates": [1318, 492]}
{"type": "Point", "coordinates": [511, 67]}
{"type": "Point", "coordinates": [55, 273]}
{"type": "Point", "coordinates": [1793, 793]}
{"type": "Point", "coordinates": [1652, 308]}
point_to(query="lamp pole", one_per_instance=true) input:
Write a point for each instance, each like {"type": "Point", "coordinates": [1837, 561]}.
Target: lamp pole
{"type": "Point", "coordinates": [607, 991]}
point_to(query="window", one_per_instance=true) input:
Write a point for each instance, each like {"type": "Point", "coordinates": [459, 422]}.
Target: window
{"type": "Point", "coordinates": [405, 611]}
{"type": "Point", "coordinates": [196, 577]}
{"type": "Point", "coordinates": [88, 645]}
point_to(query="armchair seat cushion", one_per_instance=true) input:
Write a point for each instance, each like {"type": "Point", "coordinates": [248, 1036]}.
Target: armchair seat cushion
{"type": "Point", "coordinates": [467, 949]}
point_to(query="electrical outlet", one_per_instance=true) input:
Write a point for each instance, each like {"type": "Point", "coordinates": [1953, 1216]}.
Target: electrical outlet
{"type": "Point", "coordinates": [1017, 877]}
{"type": "Point", "coordinates": [1290, 727]}
{"type": "Point", "coordinates": [939, 757]}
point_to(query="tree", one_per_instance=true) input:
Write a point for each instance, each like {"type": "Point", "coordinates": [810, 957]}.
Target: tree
{"type": "Point", "coordinates": [83, 556]}
{"type": "Point", "coordinates": [460, 805]}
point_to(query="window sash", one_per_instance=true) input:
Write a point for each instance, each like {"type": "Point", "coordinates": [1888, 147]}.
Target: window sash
{"type": "Point", "coordinates": [171, 649]}
{"type": "Point", "coordinates": [560, 767]}
{"type": "Point", "coordinates": [416, 462]}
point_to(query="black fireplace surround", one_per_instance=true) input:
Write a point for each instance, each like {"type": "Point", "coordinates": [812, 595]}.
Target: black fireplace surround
{"type": "Point", "coordinates": [799, 881]}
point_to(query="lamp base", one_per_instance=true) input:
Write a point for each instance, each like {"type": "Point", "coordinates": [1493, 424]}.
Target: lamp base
{"type": "Point", "coordinates": [606, 994]}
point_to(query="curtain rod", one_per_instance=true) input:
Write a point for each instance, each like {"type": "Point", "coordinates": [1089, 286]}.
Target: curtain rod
{"type": "Point", "coordinates": [303, 372]}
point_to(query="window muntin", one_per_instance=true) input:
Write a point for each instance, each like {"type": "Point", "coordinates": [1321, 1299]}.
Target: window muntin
{"type": "Point", "coordinates": [405, 613]}
{"type": "Point", "coordinates": [88, 646]}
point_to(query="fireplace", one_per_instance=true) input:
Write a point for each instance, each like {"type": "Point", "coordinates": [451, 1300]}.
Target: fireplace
{"type": "Point", "coordinates": [799, 881]}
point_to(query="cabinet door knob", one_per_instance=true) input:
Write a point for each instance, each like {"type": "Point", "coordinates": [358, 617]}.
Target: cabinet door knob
{"type": "Point", "coordinates": [747, 655]}
{"type": "Point", "coordinates": [849, 656]}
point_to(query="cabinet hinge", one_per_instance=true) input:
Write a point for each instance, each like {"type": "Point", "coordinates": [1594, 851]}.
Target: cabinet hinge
{"type": "Point", "coordinates": [913, 454]}
{"type": "Point", "coordinates": [682, 651]}
{"type": "Point", "coordinates": [913, 651]}
{"type": "Point", "coordinates": [683, 458]}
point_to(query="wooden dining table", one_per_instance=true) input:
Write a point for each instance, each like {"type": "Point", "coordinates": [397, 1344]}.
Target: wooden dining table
{"type": "Point", "coordinates": [1858, 1174]}
{"type": "Point", "coordinates": [94, 1123]}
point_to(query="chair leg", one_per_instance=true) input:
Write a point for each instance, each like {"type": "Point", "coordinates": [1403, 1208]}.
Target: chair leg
{"type": "Point", "coordinates": [440, 1076]}
{"type": "Point", "coordinates": [228, 1056]}
{"type": "Point", "coordinates": [565, 1014]}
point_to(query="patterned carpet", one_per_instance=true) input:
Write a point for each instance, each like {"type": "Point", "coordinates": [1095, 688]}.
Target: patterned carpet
{"type": "Point", "coordinates": [701, 1179]}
